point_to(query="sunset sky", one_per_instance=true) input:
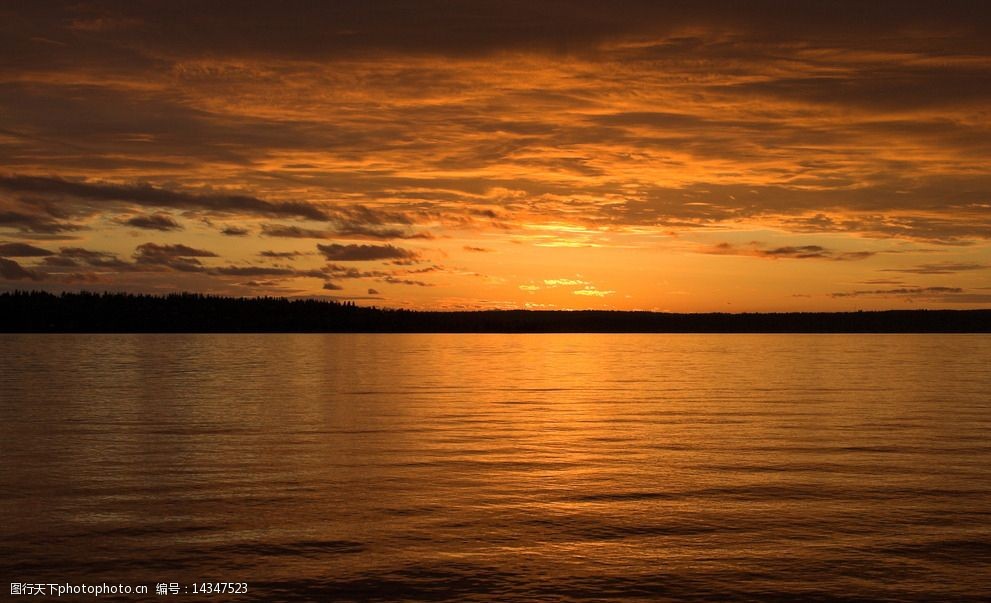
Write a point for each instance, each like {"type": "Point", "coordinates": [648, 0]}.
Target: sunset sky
{"type": "Point", "coordinates": [690, 156]}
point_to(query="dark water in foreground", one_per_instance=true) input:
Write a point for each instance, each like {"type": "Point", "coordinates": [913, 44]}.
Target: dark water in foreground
{"type": "Point", "coordinates": [500, 467]}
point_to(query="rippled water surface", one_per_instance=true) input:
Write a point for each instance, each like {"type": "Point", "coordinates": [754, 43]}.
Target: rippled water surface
{"type": "Point", "coordinates": [501, 467]}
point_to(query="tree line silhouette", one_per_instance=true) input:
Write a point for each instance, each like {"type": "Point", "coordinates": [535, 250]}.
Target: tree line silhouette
{"type": "Point", "coordinates": [42, 312]}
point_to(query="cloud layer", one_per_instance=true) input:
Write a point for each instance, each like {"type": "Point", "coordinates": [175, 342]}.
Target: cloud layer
{"type": "Point", "coordinates": [656, 149]}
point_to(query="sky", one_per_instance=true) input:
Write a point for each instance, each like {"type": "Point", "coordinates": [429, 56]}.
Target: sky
{"type": "Point", "coordinates": [669, 156]}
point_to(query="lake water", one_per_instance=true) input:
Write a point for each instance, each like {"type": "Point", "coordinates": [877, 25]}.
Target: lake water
{"type": "Point", "coordinates": [500, 467]}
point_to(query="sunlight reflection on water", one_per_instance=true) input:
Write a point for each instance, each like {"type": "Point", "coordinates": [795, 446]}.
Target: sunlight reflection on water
{"type": "Point", "coordinates": [566, 467]}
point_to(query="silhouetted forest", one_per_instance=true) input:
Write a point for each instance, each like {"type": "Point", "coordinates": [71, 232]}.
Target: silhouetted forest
{"type": "Point", "coordinates": [38, 312]}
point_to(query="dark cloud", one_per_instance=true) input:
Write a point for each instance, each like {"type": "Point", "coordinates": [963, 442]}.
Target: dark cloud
{"type": "Point", "coordinates": [148, 195]}
{"type": "Point", "coordinates": [177, 257]}
{"type": "Point", "coordinates": [280, 254]}
{"type": "Point", "coordinates": [958, 228]}
{"type": "Point", "coordinates": [60, 262]}
{"type": "Point", "coordinates": [942, 295]}
{"type": "Point", "coordinates": [301, 29]}
{"type": "Point", "coordinates": [152, 257]}
{"type": "Point", "coordinates": [22, 250]}
{"type": "Point", "coordinates": [938, 268]}
{"type": "Point", "coordinates": [360, 253]}
{"type": "Point", "coordinates": [120, 123]}
{"type": "Point", "coordinates": [178, 250]}
{"type": "Point", "coordinates": [884, 89]}
{"type": "Point", "coordinates": [373, 292]}
{"type": "Point", "coordinates": [156, 221]}
{"type": "Point", "coordinates": [360, 231]}
{"type": "Point", "coordinates": [478, 249]}
{"type": "Point", "coordinates": [423, 270]}
{"type": "Point", "coordinates": [799, 252]}
{"type": "Point", "coordinates": [347, 272]}
{"type": "Point", "coordinates": [35, 223]}
{"type": "Point", "coordinates": [347, 230]}
{"type": "Point", "coordinates": [70, 256]}
{"type": "Point", "coordinates": [263, 271]}
{"type": "Point", "coordinates": [234, 231]}
{"type": "Point", "coordinates": [11, 270]}
{"type": "Point", "coordinates": [914, 210]}
{"type": "Point", "coordinates": [330, 286]}
{"type": "Point", "coordinates": [900, 292]}
{"type": "Point", "coordinates": [338, 272]}
{"type": "Point", "coordinates": [292, 232]}
{"type": "Point", "coordinates": [362, 214]}
{"type": "Point", "coordinates": [395, 280]}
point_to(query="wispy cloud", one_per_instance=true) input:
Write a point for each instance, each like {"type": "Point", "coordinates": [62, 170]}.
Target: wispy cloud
{"type": "Point", "coordinates": [794, 252]}
{"type": "Point", "coordinates": [234, 231]}
{"type": "Point", "coordinates": [11, 270]}
{"type": "Point", "coordinates": [901, 292]}
{"type": "Point", "coordinates": [177, 257]}
{"type": "Point", "coordinates": [144, 194]}
{"type": "Point", "coordinates": [940, 268]}
{"type": "Point", "coordinates": [155, 221]}
{"type": "Point", "coordinates": [22, 250]}
{"type": "Point", "coordinates": [364, 253]}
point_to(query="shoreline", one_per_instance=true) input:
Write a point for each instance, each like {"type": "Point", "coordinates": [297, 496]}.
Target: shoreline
{"type": "Point", "coordinates": [38, 312]}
